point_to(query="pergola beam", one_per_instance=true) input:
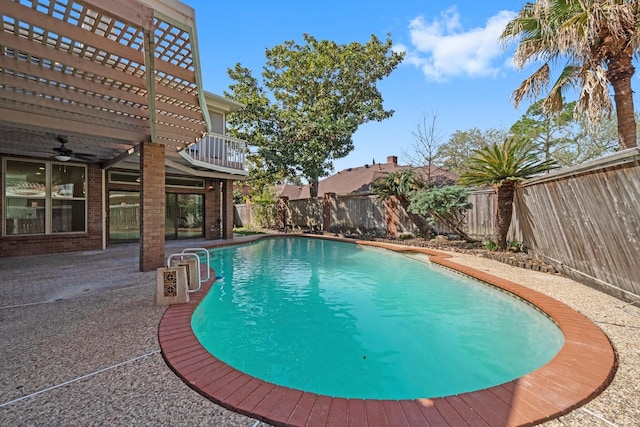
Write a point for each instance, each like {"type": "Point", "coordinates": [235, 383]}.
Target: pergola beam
{"type": "Point", "coordinates": [64, 122]}
{"type": "Point", "coordinates": [75, 82]}
{"type": "Point", "coordinates": [78, 63]}
{"type": "Point", "coordinates": [174, 108]}
{"type": "Point", "coordinates": [164, 117]}
{"type": "Point", "coordinates": [49, 107]}
{"type": "Point", "coordinates": [75, 33]}
{"type": "Point", "coordinates": [172, 133]}
{"type": "Point", "coordinates": [181, 134]}
{"type": "Point", "coordinates": [132, 12]}
{"type": "Point", "coordinates": [78, 101]}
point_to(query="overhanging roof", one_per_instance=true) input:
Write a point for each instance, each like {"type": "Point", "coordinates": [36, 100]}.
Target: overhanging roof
{"type": "Point", "coordinates": [105, 74]}
{"type": "Point", "coordinates": [222, 104]}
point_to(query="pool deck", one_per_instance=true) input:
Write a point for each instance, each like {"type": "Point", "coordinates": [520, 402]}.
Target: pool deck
{"type": "Point", "coordinates": [81, 346]}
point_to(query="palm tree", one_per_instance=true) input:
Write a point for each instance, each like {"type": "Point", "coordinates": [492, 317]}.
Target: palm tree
{"type": "Point", "coordinates": [504, 165]}
{"type": "Point", "coordinates": [597, 38]}
{"type": "Point", "coordinates": [401, 185]}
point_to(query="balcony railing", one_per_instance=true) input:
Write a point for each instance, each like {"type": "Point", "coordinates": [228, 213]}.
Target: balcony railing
{"type": "Point", "coordinates": [218, 150]}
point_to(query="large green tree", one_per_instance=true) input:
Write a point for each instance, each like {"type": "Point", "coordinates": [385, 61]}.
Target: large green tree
{"type": "Point", "coordinates": [315, 96]}
{"type": "Point", "coordinates": [504, 165]}
{"type": "Point", "coordinates": [590, 142]}
{"type": "Point", "coordinates": [454, 154]}
{"type": "Point", "coordinates": [596, 39]}
{"type": "Point", "coordinates": [550, 130]}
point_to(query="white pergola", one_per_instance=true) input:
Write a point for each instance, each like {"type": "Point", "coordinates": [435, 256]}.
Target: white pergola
{"type": "Point", "coordinates": [105, 75]}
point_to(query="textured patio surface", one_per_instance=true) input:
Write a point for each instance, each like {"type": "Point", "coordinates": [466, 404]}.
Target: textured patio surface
{"type": "Point", "coordinates": [79, 345]}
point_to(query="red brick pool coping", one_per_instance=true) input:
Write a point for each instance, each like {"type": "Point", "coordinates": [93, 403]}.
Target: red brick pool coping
{"type": "Point", "coordinates": [581, 370]}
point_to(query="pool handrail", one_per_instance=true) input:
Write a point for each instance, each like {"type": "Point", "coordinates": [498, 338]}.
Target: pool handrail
{"type": "Point", "coordinates": [207, 255]}
{"type": "Point", "coordinates": [197, 272]}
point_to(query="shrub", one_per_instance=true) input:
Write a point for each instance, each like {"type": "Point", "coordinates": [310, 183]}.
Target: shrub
{"type": "Point", "coordinates": [490, 244]}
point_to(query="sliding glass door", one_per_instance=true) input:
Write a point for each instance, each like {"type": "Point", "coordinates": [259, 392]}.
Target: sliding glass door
{"type": "Point", "coordinates": [184, 216]}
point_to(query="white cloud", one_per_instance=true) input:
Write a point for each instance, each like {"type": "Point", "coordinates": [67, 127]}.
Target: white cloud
{"type": "Point", "coordinates": [443, 49]}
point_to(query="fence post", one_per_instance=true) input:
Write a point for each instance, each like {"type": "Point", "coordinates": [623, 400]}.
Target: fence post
{"type": "Point", "coordinates": [391, 214]}
{"type": "Point", "coordinates": [328, 203]}
{"type": "Point", "coordinates": [282, 210]}
{"type": "Point", "coordinates": [247, 215]}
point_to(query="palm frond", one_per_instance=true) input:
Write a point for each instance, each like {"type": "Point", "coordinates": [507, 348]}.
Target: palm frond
{"type": "Point", "coordinates": [594, 101]}
{"type": "Point", "coordinates": [567, 80]}
{"type": "Point", "coordinates": [515, 159]}
{"type": "Point", "coordinates": [532, 86]}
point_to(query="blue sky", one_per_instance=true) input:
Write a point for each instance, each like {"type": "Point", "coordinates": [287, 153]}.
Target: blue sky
{"type": "Point", "coordinates": [455, 67]}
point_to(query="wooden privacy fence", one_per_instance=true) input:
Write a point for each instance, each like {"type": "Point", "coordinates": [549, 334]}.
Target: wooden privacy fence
{"type": "Point", "coordinates": [124, 217]}
{"type": "Point", "coordinates": [357, 214]}
{"type": "Point", "coordinates": [585, 221]}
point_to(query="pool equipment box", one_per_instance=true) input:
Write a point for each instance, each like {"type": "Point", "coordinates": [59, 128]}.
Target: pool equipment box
{"type": "Point", "coordinates": [171, 285]}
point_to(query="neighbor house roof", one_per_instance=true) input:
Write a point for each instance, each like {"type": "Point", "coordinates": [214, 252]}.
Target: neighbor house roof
{"type": "Point", "coordinates": [358, 180]}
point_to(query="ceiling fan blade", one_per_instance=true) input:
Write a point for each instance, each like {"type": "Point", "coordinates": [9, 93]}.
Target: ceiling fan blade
{"type": "Point", "coordinates": [62, 150]}
{"type": "Point", "coordinates": [84, 156]}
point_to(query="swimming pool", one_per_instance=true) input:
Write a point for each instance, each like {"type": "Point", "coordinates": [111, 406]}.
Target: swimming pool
{"type": "Point", "coordinates": [344, 320]}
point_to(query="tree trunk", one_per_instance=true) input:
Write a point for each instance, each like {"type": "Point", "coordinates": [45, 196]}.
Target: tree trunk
{"type": "Point", "coordinates": [455, 228]}
{"type": "Point", "coordinates": [317, 210]}
{"type": "Point", "coordinates": [313, 188]}
{"type": "Point", "coordinates": [503, 213]}
{"type": "Point", "coordinates": [619, 74]}
{"type": "Point", "coordinates": [423, 226]}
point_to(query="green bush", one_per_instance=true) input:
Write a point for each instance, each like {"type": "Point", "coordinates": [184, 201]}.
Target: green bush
{"type": "Point", "coordinates": [490, 244]}
{"type": "Point", "coordinates": [406, 236]}
{"type": "Point", "coordinates": [514, 246]}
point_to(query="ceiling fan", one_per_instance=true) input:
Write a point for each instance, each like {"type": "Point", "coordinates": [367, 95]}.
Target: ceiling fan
{"type": "Point", "coordinates": [65, 154]}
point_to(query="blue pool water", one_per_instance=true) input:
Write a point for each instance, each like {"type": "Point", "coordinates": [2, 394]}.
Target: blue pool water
{"type": "Point", "coordinates": [344, 320]}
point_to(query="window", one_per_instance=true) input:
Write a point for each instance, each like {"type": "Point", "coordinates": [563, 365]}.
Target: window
{"type": "Point", "coordinates": [44, 197]}
{"type": "Point", "coordinates": [124, 177]}
{"type": "Point", "coordinates": [117, 177]}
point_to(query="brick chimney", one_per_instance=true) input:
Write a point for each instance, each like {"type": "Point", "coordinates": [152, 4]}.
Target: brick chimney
{"type": "Point", "coordinates": [392, 159]}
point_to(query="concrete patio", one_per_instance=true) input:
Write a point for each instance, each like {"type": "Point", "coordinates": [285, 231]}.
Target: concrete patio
{"type": "Point", "coordinates": [79, 344]}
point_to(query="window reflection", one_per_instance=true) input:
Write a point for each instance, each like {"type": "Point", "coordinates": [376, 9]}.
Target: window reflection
{"type": "Point", "coordinates": [124, 216]}
{"type": "Point", "coordinates": [25, 216]}
{"type": "Point", "coordinates": [67, 181]}
{"type": "Point", "coordinates": [32, 194]}
{"type": "Point", "coordinates": [25, 179]}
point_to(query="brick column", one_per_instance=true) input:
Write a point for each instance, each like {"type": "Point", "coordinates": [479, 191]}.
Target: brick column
{"type": "Point", "coordinates": [391, 206]}
{"type": "Point", "coordinates": [152, 206]}
{"type": "Point", "coordinates": [329, 203]}
{"type": "Point", "coordinates": [227, 209]}
{"type": "Point", "coordinates": [212, 219]}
